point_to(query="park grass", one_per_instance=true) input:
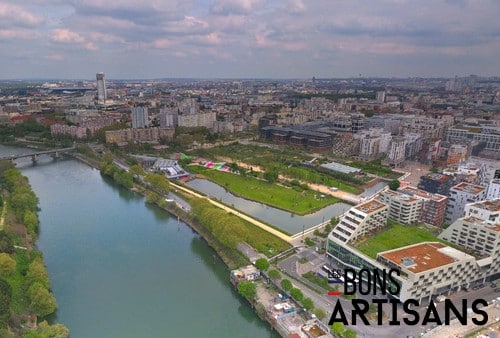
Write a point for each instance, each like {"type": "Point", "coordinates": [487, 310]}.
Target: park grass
{"type": "Point", "coordinates": [274, 195]}
{"type": "Point", "coordinates": [395, 236]}
{"type": "Point", "coordinates": [375, 168]}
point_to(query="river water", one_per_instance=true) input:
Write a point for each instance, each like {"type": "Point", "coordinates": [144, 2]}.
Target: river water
{"type": "Point", "coordinates": [121, 268]}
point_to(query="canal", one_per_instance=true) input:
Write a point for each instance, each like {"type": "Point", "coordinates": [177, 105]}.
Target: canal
{"type": "Point", "coordinates": [284, 220]}
{"type": "Point", "coordinates": [121, 268]}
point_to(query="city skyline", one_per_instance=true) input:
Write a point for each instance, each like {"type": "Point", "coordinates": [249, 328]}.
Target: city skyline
{"type": "Point", "coordinates": [248, 39]}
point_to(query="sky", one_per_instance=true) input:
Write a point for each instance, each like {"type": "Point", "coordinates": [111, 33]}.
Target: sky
{"type": "Point", "coordinates": [147, 39]}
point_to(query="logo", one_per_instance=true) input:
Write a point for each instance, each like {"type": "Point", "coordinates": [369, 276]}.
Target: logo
{"type": "Point", "coordinates": [384, 282]}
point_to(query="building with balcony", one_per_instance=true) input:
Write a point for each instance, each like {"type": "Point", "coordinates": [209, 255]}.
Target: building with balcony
{"type": "Point", "coordinates": [403, 208]}
{"type": "Point", "coordinates": [460, 195]}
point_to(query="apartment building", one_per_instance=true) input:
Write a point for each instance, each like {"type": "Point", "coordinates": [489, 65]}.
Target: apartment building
{"type": "Point", "coordinates": [403, 208]}
{"type": "Point", "coordinates": [479, 230]}
{"type": "Point", "coordinates": [433, 207]}
{"type": "Point", "coordinates": [493, 189]}
{"type": "Point", "coordinates": [360, 220]}
{"type": "Point", "coordinates": [430, 268]}
{"type": "Point", "coordinates": [460, 195]}
{"type": "Point", "coordinates": [436, 183]}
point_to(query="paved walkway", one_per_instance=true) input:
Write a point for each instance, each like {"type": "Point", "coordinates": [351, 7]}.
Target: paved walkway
{"type": "Point", "coordinates": [237, 213]}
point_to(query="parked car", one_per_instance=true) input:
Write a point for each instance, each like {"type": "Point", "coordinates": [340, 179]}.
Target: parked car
{"type": "Point", "coordinates": [497, 290]}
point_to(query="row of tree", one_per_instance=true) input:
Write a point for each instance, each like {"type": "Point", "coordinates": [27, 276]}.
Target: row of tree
{"type": "Point", "coordinates": [228, 230]}
{"type": "Point", "coordinates": [24, 279]}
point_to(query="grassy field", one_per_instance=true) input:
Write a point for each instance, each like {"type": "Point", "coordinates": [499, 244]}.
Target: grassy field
{"type": "Point", "coordinates": [299, 202]}
{"type": "Point", "coordinates": [375, 168]}
{"type": "Point", "coordinates": [395, 236]}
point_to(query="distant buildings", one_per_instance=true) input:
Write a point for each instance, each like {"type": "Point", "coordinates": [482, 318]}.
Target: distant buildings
{"type": "Point", "coordinates": [396, 155]}
{"type": "Point", "coordinates": [138, 135]}
{"type": "Point", "coordinates": [202, 119]}
{"type": "Point", "coordinates": [83, 129]}
{"type": "Point", "coordinates": [139, 117]}
{"type": "Point", "coordinates": [297, 137]}
{"type": "Point", "coordinates": [460, 195]}
{"type": "Point", "coordinates": [101, 87]}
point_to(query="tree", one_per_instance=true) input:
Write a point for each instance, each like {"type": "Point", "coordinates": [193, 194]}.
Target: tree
{"type": "Point", "coordinates": [349, 333]}
{"type": "Point", "coordinates": [37, 273]}
{"type": "Point", "coordinates": [247, 289]}
{"type": "Point", "coordinates": [262, 264]}
{"type": "Point", "coordinates": [319, 313]}
{"type": "Point", "coordinates": [41, 300]}
{"type": "Point", "coordinates": [5, 299]}
{"type": "Point", "coordinates": [45, 330]}
{"type": "Point", "coordinates": [271, 176]}
{"type": "Point", "coordinates": [394, 185]}
{"type": "Point", "coordinates": [7, 265]}
{"type": "Point", "coordinates": [31, 221]}
{"type": "Point", "coordinates": [6, 244]}
{"type": "Point", "coordinates": [136, 169]}
{"type": "Point", "coordinates": [308, 304]}
{"type": "Point", "coordinates": [286, 285]}
{"type": "Point", "coordinates": [296, 294]}
{"type": "Point", "coordinates": [274, 274]}
{"type": "Point", "coordinates": [338, 328]}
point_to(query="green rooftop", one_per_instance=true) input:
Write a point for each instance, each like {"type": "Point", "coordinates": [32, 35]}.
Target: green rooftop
{"type": "Point", "coordinates": [395, 236]}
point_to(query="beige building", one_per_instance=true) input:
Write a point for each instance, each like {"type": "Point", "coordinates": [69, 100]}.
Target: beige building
{"type": "Point", "coordinates": [430, 268]}
{"type": "Point", "coordinates": [403, 208]}
{"type": "Point", "coordinates": [142, 135]}
{"type": "Point", "coordinates": [197, 120]}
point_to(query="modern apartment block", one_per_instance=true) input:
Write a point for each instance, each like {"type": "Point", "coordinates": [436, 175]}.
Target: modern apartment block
{"type": "Point", "coordinates": [139, 117]}
{"type": "Point", "coordinates": [360, 220]}
{"type": "Point", "coordinates": [479, 230]}
{"type": "Point", "coordinates": [430, 268]}
{"type": "Point", "coordinates": [460, 195]}
{"type": "Point", "coordinates": [436, 183]}
{"type": "Point", "coordinates": [138, 135]}
{"type": "Point", "coordinates": [403, 208]}
{"type": "Point", "coordinates": [433, 208]}
{"type": "Point", "coordinates": [493, 189]}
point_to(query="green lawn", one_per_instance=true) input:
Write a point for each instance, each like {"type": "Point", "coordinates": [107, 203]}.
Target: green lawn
{"type": "Point", "coordinates": [396, 236]}
{"type": "Point", "coordinates": [374, 167]}
{"type": "Point", "coordinates": [298, 202]}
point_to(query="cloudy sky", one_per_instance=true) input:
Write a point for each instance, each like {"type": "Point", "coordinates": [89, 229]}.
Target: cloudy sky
{"type": "Point", "coordinates": [248, 38]}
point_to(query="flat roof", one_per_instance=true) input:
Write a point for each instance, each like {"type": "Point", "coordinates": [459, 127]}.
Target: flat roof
{"type": "Point", "coordinates": [468, 188]}
{"type": "Point", "coordinates": [340, 168]}
{"type": "Point", "coordinates": [437, 177]}
{"type": "Point", "coordinates": [492, 205]}
{"type": "Point", "coordinates": [399, 195]}
{"type": "Point", "coordinates": [420, 257]}
{"type": "Point", "coordinates": [370, 206]}
{"type": "Point", "coordinates": [423, 194]}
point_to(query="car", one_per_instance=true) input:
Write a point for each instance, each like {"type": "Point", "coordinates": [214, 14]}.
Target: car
{"type": "Point", "coordinates": [497, 290]}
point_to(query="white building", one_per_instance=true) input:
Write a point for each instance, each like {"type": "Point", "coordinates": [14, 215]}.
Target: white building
{"type": "Point", "coordinates": [493, 189]}
{"type": "Point", "coordinates": [403, 208]}
{"type": "Point", "coordinates": [396, 154]}
{"type": "Point", "coordinates": [488, 211]}
{"type": "Point", "coordinates": [139, 117]}
{"type": "Point", "coordinates": [460, 195]}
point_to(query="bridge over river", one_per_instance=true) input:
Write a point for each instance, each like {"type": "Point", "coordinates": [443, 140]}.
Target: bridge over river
{"type": "Point", "coordinates": [56, 153]}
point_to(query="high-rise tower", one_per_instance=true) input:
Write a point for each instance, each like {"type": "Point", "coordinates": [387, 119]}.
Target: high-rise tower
{"type": "Point", "coordinates": [101, 87]}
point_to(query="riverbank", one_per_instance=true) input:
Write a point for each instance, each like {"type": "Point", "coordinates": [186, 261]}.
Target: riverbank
{"type": "Point", "coordinates": [25, 294]}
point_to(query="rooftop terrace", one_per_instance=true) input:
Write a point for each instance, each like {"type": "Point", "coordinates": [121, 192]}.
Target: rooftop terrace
{"type": "Point", "coordinates": [421, 257]}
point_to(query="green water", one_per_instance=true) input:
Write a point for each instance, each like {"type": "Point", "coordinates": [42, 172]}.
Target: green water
{"type": "Point", "coordinates": [121, 268]}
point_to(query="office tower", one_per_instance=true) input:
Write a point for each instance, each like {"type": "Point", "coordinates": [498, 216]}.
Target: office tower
{"type": "Point", "coordinates": [139, 117]}
{"type": "Point", "coordinates": [101, 87]}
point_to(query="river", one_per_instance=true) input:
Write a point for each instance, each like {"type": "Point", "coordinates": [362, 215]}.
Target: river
{"type": "Point", "coordinates": [121, 268]}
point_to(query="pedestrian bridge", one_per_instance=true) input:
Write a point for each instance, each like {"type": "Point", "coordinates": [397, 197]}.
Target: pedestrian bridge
{"type": "Point", "coordinates": [53, 152]}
